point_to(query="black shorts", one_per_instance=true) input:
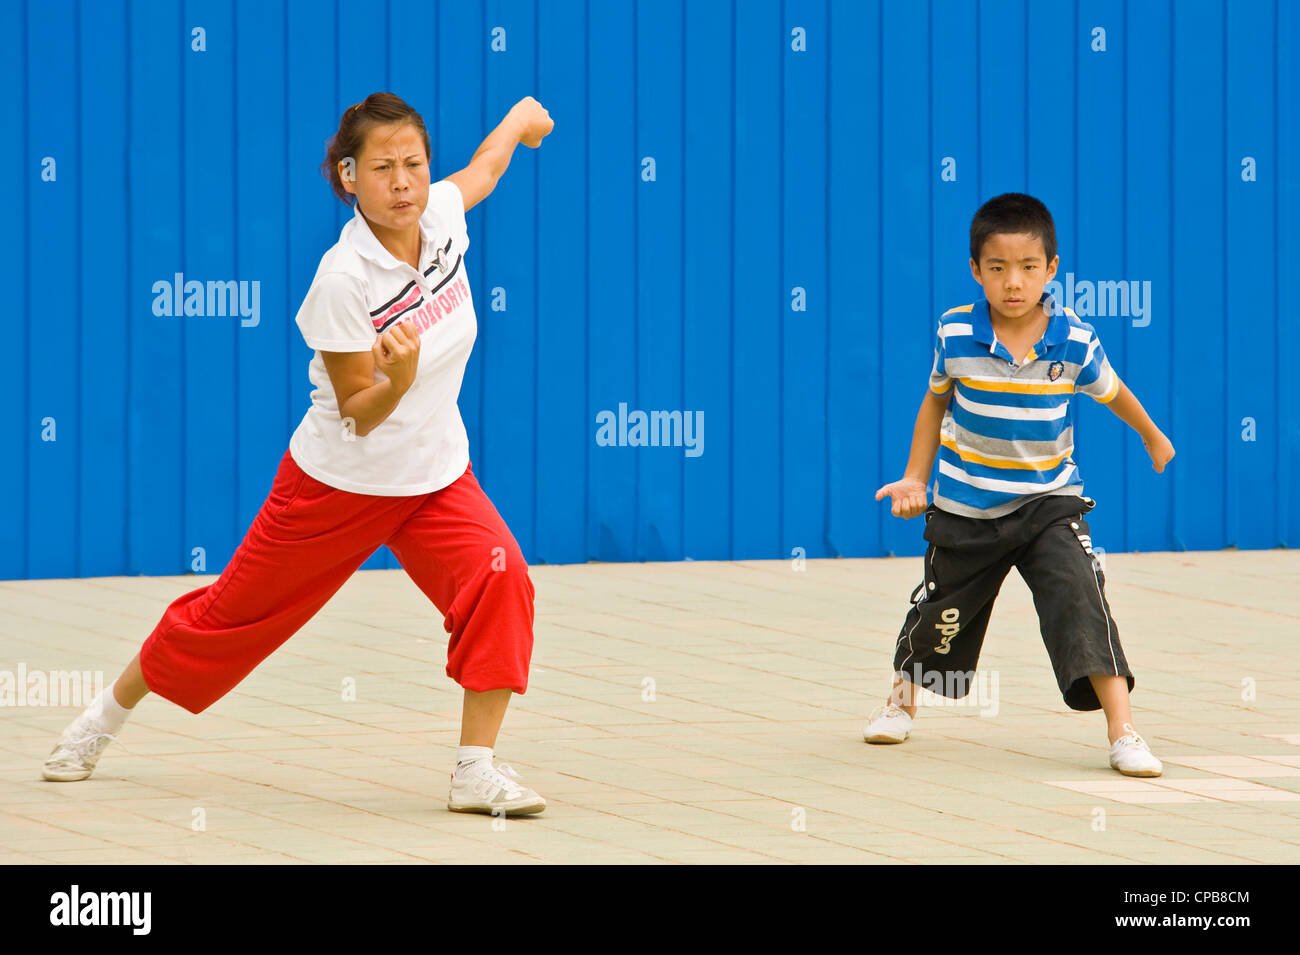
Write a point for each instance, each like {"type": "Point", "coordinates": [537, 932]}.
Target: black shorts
{"type": "Point", "coordinates": [1047, 540]}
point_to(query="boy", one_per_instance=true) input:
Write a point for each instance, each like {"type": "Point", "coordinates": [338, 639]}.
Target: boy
{"type": "Point", "coordinates": [1008, 494]}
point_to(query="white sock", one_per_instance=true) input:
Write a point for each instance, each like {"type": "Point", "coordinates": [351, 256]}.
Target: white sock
{"type": "Point", "coordinates": [106, 707]}
{"type": "Point", "coordinates": [467, 755]}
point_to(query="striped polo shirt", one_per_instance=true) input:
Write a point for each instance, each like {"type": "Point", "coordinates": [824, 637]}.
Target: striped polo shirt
{"type": "Point", "coordinates": [1006, 436]}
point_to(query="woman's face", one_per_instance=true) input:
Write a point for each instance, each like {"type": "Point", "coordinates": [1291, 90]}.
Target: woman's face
{"type": "Point", "coordinates": [392, 177]}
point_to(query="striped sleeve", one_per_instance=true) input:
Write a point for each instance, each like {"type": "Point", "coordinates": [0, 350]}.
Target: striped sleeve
{"type": "Point", "coordinates": [334, 317]}
{"type": "Point", "coordinates": [940, 383]}
{"type": "Point", "coordinates": [1096, 378]}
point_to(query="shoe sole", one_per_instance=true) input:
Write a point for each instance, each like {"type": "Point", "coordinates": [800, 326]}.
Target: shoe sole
{"type": "Point", "coordinates": [884, 739]}
{"type": "Point", "coordinates": [67, 776]}
{"type": "Point", "coordinates": [1141, 773]}
{"type": "Point", "coordinates": [490, 811]}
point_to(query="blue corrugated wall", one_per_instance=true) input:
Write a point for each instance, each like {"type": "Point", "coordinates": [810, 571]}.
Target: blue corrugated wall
{"type": "Point", "coordinates": [806, 153]}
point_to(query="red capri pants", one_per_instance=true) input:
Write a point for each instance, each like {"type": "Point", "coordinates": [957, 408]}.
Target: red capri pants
{"type": "Point", "coordinates": [306, 541]}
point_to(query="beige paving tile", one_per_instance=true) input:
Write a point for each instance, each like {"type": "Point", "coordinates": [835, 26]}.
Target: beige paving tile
{"type": "Point", "coordinates": [762, 678]}
{"type": "Point", "coordinates": [1254, 767]}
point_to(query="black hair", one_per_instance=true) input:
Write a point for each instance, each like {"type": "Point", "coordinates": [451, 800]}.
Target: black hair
{"type": "Point", "coordinates": [1014, 213]}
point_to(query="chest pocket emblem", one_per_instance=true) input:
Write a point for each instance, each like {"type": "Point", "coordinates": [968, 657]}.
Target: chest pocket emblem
{"type": "Point", "coordinates": [440, 260]}
{"type": "Point", "coordinates": [1055, 370]}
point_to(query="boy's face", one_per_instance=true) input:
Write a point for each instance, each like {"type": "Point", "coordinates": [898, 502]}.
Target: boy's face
{"type": "Point", "coordinates": [1013, 270]}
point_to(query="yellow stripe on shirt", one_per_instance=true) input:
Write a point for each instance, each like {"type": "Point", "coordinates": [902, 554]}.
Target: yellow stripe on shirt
{"type": "Point", "coordinates": [1021, 387]}
{"type": "Point", "coordinates": [1024, 464]}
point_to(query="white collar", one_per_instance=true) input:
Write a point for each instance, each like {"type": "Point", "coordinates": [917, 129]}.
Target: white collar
{"type": "Point", "coordinates": [364, 241]}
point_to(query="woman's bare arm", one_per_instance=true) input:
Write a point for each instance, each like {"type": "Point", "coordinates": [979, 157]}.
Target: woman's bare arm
{"type": "Point", "coordinates": [363, 402]}
{"type": "Point", "coordinates": [527, 122]}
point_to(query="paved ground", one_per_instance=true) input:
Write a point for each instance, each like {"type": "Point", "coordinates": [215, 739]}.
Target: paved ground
{"type": "Point", "coordinates": [693, 712]}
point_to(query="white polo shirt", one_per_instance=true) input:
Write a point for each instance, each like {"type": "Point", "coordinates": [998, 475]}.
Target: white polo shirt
{"type": "Point", "coordinates": [360, 290]}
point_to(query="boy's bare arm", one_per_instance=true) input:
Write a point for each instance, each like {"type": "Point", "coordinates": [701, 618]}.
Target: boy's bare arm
{"type": "Point", "coordinates": [1129, 410]}
{"type": "Point", "coordinates": [908, 494]}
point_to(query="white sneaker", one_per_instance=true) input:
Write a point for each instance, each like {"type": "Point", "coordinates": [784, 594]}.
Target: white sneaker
{"type": "Point", "coordinates": [492, 789]}
{"type": "Point", "coordinates": [889, 723]}
{"type": "Point", "coordinates": [1132, 757]}
{"type": "Point", "coordinates": [78, 750]}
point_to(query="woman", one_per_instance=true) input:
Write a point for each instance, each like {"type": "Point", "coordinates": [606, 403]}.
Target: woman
{"type": "Point", "coordinates": [381, 457]}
